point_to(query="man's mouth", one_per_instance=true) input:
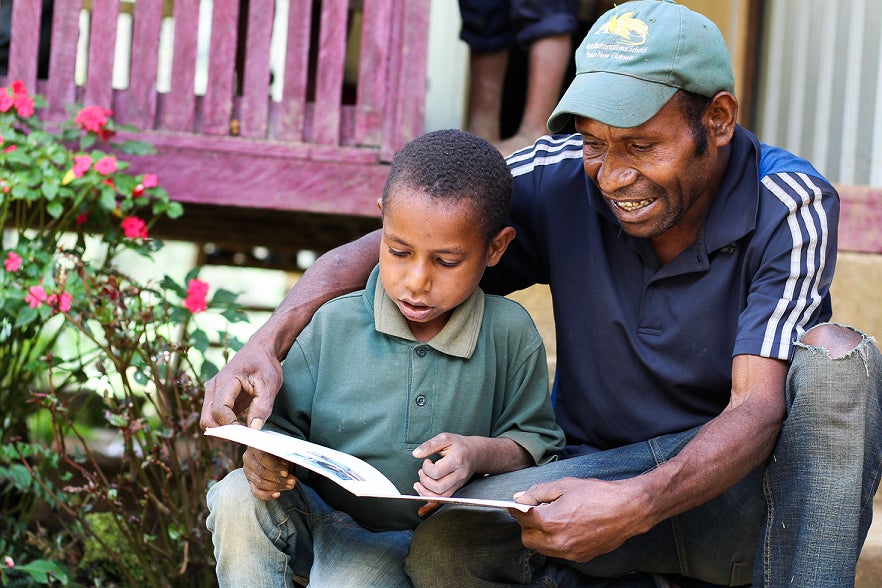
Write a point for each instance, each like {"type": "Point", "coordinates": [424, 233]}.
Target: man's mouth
{"type": "Point", "coordinates": [632, 205]}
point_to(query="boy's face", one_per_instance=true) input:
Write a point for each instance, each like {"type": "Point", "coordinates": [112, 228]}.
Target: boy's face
{"type": "Point", "coordinates": [432, 257]}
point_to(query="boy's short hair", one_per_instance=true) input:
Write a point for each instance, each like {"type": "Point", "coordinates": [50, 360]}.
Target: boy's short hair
{"type": "Point", "coordinates": [454, 165]}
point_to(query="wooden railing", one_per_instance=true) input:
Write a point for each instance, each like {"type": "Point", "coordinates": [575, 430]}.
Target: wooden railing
{"type": "Point", "coordinates": [322, 147]}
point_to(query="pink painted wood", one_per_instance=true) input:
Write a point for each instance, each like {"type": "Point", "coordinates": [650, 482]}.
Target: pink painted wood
{"type": "Point", "coordinates": [217, 105]}
{"type": "Point", "coordinates": [316, 150]}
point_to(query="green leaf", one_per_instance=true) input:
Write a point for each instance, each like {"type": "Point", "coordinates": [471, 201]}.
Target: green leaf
{"type": "Point", "coordinates": [50, 189]}
{"type": "Point", "coordinates": [26, 316]}
{"type": "Point", "coordinates": [87, 141]}
{"type": "Point", "coordinates": [136, 148]}
{"type": "Point", "coordinates": [200, 340]}
{"type": "Point", "coordinates": [208, 371]}
{"type": "Point", "coordinates": [107, 199]}
{"type": "Point", "coordinates": [40, 570]}
{"type": "Point", "coordinates": [224, 296]}
{"type": "Point", "coordinates": [55, 209]}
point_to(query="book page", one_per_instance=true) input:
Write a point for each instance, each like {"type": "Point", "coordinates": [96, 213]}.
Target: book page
{"type": "Point", "coordinates": [353, 474]}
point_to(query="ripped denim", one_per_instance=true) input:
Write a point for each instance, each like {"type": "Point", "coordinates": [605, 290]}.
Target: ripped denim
{"type": "Point", "coordinates": [824, 471]}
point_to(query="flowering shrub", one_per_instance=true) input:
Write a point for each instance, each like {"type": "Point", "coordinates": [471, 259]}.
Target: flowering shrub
{"type": "Point", "coordinates": [73, 328]}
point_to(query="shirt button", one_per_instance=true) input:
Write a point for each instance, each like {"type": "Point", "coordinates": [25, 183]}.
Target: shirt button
{"type": "Point", "coordinates": [421, 351]}
{"type": "Point", "coordinates": [421, 400]}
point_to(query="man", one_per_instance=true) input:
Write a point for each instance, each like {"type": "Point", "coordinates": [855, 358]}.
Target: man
{"type": "Point", "coordinates": [717, 428]}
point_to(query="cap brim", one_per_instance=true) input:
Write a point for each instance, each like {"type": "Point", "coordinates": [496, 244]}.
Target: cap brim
{"type": "Point", "coordinates": [612, 99]}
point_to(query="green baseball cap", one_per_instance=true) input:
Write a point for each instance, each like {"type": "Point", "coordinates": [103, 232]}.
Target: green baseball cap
{"type": "Point", "coordinates": [636, 56]}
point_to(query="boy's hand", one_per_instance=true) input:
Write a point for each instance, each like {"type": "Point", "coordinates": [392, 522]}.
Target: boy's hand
{"type": "Point", "coordinates": [461, 458]}
{"type": "Point", "coordinates": [448, 474]}
{"type": "Point", "coordinates": [267, 474]}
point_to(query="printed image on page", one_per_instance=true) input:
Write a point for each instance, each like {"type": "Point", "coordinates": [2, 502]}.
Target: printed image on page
{"type": "Point", "coordinates": [353, 474]}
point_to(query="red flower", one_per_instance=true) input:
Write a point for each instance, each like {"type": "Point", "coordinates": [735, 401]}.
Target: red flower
{"type": "Point", "coordinates": [12, 262]}
{"type": "Point", "coordinates": [82, 218]}
{"type": "Point", "coordinates": [134, 228]}
{"type": "Point", "coordinates": [24, 105]}
{"type": "Point", "coordinates": [18, 88]}
{"type": "Point", "coordinates": [106, 165]}
{"type": "Point", "coordinates": [94, 119]}
{"type": "Point", "coordinates": [82, 163]}
{"type": "Point", "coordinates": [60, 302]}
{"type": "Point", "coordinates": [36, 296]}
{"type": "Point", "coordinates": [197, 290]}
{"type": "Point", "coordinates": [6, 101]}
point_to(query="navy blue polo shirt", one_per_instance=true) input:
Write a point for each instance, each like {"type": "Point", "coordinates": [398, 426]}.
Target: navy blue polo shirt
{"type": "Point", "coordinates": [645, 349]}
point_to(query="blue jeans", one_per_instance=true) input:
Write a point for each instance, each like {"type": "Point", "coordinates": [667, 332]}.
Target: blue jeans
{"type": "Point", "coordinates": [273, 543]}
{"type": "Point", "coordinates": [802, 518]}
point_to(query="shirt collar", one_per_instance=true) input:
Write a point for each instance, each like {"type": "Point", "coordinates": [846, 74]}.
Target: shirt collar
{"type": "Point", "coordinates": [458, 338]}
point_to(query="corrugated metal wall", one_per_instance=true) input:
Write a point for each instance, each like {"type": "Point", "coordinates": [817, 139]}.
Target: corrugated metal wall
{"type": "Point", "coordinates": [820, 87]}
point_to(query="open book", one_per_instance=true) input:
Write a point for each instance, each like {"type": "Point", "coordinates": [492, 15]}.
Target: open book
{"type": "Point", "coordinates": [353, 474]}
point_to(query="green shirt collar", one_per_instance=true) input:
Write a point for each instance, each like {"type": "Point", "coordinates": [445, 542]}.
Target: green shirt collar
{"type": "Point", "coordinates": [458, 337]}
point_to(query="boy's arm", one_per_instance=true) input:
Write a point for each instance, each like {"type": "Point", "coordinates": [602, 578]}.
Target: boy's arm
{"type": "Point", "coordinates": [462, 457]}
{"type": "Point", "coordinates": [248, 384]}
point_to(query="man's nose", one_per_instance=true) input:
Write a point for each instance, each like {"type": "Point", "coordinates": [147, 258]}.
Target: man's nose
{"type": "Point", "coordinates": [614, 173]}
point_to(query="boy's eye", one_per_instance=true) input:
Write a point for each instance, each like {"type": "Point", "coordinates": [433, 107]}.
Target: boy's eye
{"type": "Point", "coordinates": [446, 263]}
{"type": "Point", "coordinates": [397, 253]}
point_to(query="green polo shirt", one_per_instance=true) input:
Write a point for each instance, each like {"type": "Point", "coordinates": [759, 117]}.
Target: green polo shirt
{"type": "Point", "coordinates": [358, 381]}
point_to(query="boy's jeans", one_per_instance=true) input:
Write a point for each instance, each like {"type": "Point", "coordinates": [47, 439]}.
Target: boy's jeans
{"type": "Point", "coordinates": [800, 521]}
{"type": "Point", "coordinates": [269, 543]}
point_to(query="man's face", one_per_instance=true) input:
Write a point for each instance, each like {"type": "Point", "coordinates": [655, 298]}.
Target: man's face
{"type": "Point", "coordinates": [651, 176]}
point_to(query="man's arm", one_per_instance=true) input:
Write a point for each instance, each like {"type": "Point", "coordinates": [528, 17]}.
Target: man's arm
{"type": "Point", "coordinates": [248, 384]}
{"type": "Point", "coordinates": [586, 518]}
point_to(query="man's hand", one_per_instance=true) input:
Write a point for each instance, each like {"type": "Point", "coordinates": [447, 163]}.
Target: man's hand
{"type": "Point", "coordinates": [267, 474]}
{"type": "Point", "coordinates": [579, 519]}
{"type": "Point", "coordinates": [246, 386]}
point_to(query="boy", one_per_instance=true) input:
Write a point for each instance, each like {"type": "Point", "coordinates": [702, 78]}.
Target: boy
{"type": "Point", "coordinates": [420, 374]}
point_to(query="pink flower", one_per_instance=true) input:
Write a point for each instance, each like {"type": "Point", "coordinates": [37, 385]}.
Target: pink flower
{"type": "Point", "coordinates": [93, 118]}
{"type": "Point", "coordinates": [106, 165]}
{"type": "Point", "coordinates": [82, 163]}
{"type": "Point", "coordinates": [12, 262]}
{"type": "Point", "coordinates": [24, 105]}
{"type": "Point", "coordinates": [150, 181]}
{"type": "Point", "coordinates": [60, 302]}
{"type": "Point", "coordinates": [197, 290]}
{"type": "Point", "coordinates": [10, 563]}
{"type": "Point", "coordinates": [134, 228]}
{"type": "Point", "coordinates": [36, 296]}
{"type": "Point", "coordinates": [18, 88]}
{"type": "Point", "coordinates": [6, 101]}
{"type": "Point", "coordinates": [9, 149]}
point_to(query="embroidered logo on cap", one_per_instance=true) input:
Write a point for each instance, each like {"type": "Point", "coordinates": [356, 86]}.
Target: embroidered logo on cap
{"type": "Point", "coordinates": [631, 31]}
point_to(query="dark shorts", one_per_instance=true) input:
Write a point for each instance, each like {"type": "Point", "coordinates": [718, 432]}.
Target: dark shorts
{"type": "Point", "coordinates": [495, 25]}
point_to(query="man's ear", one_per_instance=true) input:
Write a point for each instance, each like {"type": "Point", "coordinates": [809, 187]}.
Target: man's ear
{"type": "Point", "coordinates": [498, 244]}
{"type": "Point", "coordinates": [380, 203]}
{"type": "Point", "coordinates": [721, 118]}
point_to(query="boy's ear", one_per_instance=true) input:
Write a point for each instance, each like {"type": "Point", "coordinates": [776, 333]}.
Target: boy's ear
{"type": "Point", "coordinates": [498, 245]}
{"type": "Point", "coordinates": [380, 203]}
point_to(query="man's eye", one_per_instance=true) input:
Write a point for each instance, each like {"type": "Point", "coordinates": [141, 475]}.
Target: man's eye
{"type": "Point", "coordinates": [641, 147]}
{"type": "Point", "coordinates": [448, 263]}
{"type": "Point", "coordinates": [397, 253]}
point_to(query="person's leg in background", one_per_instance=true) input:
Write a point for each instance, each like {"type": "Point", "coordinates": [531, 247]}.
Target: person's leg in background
{"type": "Point", "coordinates": [490, 29]}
